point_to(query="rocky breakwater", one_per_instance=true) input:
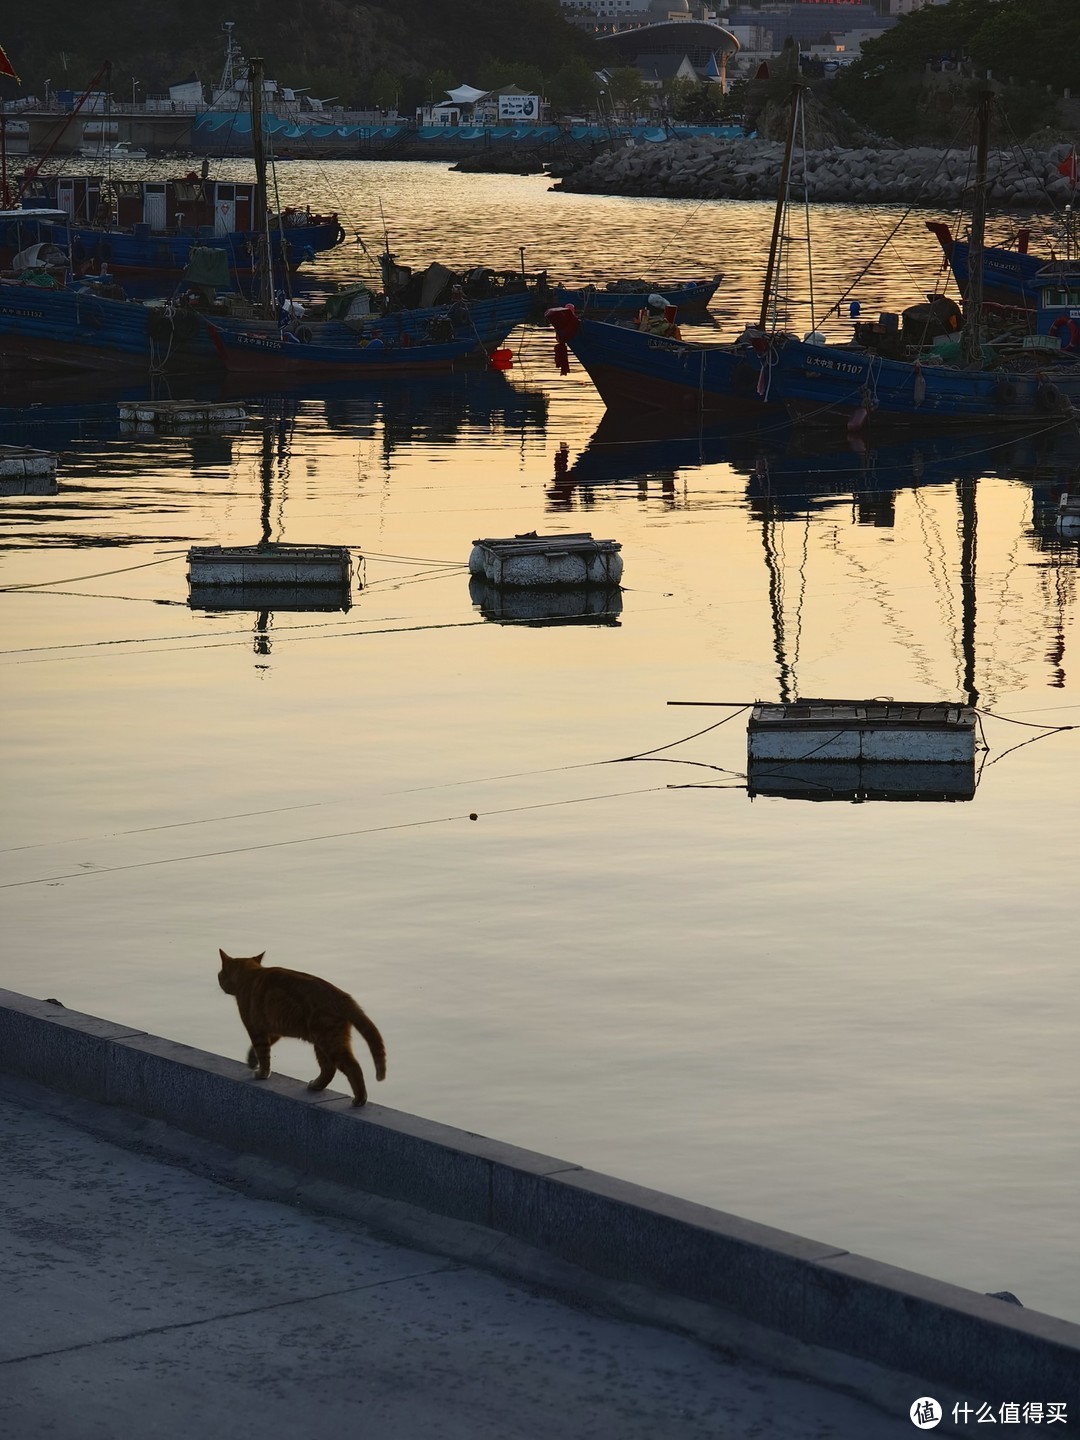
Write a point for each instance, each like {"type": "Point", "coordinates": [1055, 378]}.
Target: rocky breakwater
{"type": "Point", "coordinates": [707, 169]}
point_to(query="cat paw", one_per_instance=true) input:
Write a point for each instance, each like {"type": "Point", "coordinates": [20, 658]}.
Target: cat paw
{"type": "Point", "coordinates": [357, 1100]}
{"type": "Point", "coordinates": [261, 1075]}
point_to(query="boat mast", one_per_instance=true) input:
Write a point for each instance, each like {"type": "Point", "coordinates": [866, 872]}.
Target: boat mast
{"type": "Point", "coordinates": [781, 201]}
{"type": "Point", "coordinates": [972, 337]}
{"type": "Point", "coordinates": [785, 672]}
{"type": "Point", "coordinates": [5, 193]}
{"type": "Point", "coordinates": [965, 491]}
{"type": "Point", "coordinates": [32, 171]}
{"type": "Point", "coordinates": [258, 144]}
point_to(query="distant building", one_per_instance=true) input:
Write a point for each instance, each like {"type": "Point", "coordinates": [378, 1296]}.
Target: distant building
{"type": "Point", "coordinates": [466, 105]}
{"type": "Point", "coordinates": [601, 16]}
{"type": "Point", "coordinates": [187, 92]}
{"type": "Point", "coordinates": [660, 70]}
{"type": "Point", "coordinates": [588, 12]}
{"type": "Point", "coordinates": [761, 32]}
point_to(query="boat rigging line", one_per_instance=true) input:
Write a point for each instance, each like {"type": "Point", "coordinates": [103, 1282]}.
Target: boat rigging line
{"type": "Point", "coordinates": [966, 125]}
{"type": "Point", "coordinates": [337, 835]}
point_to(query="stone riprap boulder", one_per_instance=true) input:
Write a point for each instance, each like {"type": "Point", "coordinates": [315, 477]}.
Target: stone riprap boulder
{"type": "Point", "coordinates": [708, 169]}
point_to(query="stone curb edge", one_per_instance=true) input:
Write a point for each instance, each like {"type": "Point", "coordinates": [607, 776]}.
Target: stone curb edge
{"type": "Point", "coordinates": [815, 1295]}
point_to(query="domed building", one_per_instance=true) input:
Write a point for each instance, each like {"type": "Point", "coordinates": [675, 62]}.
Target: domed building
{"type": "Point", "coordinates": [668, 29]}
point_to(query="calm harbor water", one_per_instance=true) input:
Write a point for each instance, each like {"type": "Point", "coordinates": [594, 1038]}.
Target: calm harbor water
{"type": "Point", "coordinates": [858, 1022]}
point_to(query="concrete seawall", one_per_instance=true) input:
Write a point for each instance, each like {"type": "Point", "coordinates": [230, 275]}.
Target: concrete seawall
{"type": "Point", "coordinates": [814, 1294]}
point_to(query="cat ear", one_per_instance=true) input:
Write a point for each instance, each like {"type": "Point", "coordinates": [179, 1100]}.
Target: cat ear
{"type": "Point", "coordinates": [223, 955]}
{"type": "Point", "coordinates": [259, 958]}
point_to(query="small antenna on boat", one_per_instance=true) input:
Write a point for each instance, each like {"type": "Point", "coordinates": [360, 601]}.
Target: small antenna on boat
{"type": "Point", "coordinates": [385, 232]}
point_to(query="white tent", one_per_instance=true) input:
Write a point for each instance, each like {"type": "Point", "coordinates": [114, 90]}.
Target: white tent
{"type": "Point", "coordinates": [466, 95]}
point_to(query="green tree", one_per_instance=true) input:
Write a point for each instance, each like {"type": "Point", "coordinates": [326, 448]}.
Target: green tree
{"type": "Point", "coordinates": [693, 100]}
{"type": "Point", "coordinates": [437, 83]}
{"type": "Point", "coordinates": [574, 87]}
{"type": "Point", "coordinates": [496, 73]}
{"type": "Point", "coordinates": [627, 89]}
{"type": "Point", "coordinates": [384, 89]}
{"type": "Point", "coordinates": [682, 98]}
{"type": "Point", "coordinates": [1035, 42]}
{"type": "Point", "coordinates": [409, 39]}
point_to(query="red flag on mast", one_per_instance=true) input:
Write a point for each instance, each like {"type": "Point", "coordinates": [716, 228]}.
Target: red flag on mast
{"type": "Point", "coordinates": [6, 67]}
{"type": "Point", "coordinates": [1068, 167]}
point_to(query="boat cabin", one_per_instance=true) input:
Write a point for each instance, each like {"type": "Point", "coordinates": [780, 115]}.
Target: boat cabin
{"type": "Point", "coordinates": [21, 228]}
{"type": "Point", "coordinates": [80, 197]}
{"type": "Point", "coordinates": [1058, 312]}
{"type": "Point", "coordinates": [166, 207]}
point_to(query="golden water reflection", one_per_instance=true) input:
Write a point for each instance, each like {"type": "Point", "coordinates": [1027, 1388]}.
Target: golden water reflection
{"type": "Point", "coordinates": [855, 1021]}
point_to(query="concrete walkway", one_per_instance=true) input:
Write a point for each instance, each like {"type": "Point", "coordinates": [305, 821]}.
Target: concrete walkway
{"type": "Point", "coordinates": [144, 1296]}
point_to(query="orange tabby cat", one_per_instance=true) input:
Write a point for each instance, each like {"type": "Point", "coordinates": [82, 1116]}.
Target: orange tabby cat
{"type": "Point", "coordinates": [276, 1002]}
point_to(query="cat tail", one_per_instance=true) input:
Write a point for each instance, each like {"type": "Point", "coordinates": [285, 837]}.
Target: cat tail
{"type": "Point", "coordinates": [369, 1031]}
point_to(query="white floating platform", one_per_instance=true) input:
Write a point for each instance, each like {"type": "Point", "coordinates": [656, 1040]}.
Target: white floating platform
{"type": "Point", "coordinates": [862, 730]}
{"type": "Point", "coordinates": [21, 462]}
{"type": "Point", "coordinates": [247, 567]}
{"type": "Point", "coordinates": [541, 561]}
{"type": "Point", "coordinates": [183, 415]}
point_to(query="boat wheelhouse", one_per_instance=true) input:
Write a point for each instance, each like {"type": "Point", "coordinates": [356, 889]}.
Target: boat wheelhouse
{"type": "Point", "coordinates": [1057, 322]}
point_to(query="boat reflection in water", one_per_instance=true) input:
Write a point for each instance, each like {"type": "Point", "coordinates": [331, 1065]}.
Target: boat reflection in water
{"type": "Point", "coordinates": [568, 605]}
{"type": "Point", "coordinates": [791, 475]}
{"type": "Point", "coordinates": [435, 409]}
{"type": "Point", "coordinates": [297, 596]}
{"type": "Point", "coordinates": [858, 782]}
{"type": "Point", "coordinates": [794, 470]}
{"type": "Point", "coordinates": [270, 575]}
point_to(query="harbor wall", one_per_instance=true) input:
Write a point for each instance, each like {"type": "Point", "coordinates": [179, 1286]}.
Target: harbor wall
{"type": "Point", "coordinates": [817, 1296]}
{"type": "Point", "coordinates": [714, 169]}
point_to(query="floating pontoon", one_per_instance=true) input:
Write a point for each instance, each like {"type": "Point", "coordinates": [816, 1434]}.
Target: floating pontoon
{"type": "Point", "coordinates": [179, 416]}
{"type": "Point", "coordinates": [25, 471]}
{"type": "Point", "coordinates": [269, 577]}
{"type": "Point", "coordinates": [862, 730]}
{"type": "Point", "coordinates": [537, 561]}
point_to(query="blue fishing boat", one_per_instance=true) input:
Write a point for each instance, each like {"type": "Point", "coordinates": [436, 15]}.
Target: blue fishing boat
{"type": "Point", "coordinates": [960, 381]}
{"type": "Point", "coordinates": [82, 327]}
{"type": "Point", "coordinates": [149, 227]}
{"type": "Point", "coordinates": [946, 379]}
{"type": "Point", "coordinates": [256, 352]}
{"type": "Point", "coordinates": [825, 383]}
{"type": "Point", "coordinates": [652, 365]}
{"type": "Point", "coordinates": [489, 321]}
{"type": "Point", "coordinates": [627, 297]}
{"type": "Point", "coordinates": [90, 324]}
{"type": "Point", "coordinates": [632, 368]}
{"type": "Point", "coordinates": [483, 323]}
{"type": "Point", "coordinates": [1010, 276]}
{"type": "Point", "coordinates": [20, 229]}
